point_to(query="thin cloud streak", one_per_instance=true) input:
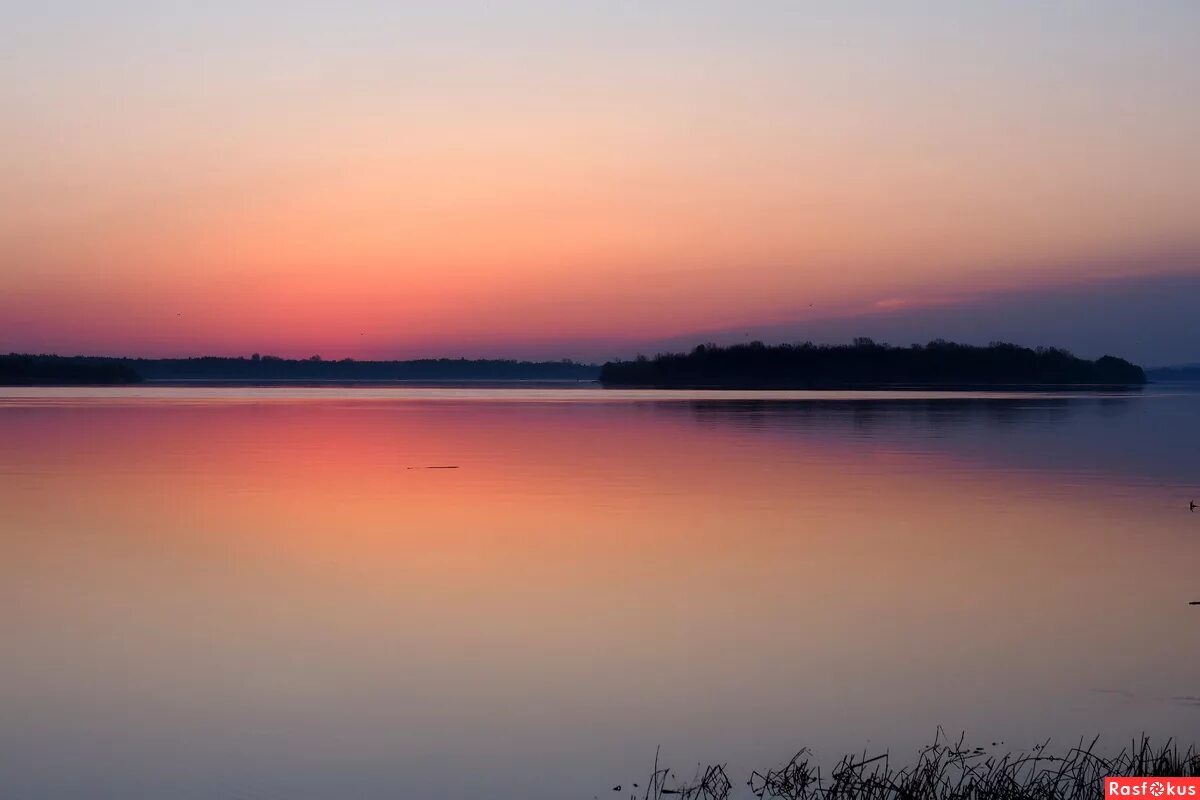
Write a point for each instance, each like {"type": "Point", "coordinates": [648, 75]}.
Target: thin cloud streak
{"type": "Point", "coordinates": [1151, 319]}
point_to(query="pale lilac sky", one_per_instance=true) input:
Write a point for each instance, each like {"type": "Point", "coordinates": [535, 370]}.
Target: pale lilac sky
{"type": "Point", "coordinates": [586, 179]}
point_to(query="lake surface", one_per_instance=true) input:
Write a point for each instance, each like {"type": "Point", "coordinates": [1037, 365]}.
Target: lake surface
{"type": "Point", "coordinates": [267, 593]}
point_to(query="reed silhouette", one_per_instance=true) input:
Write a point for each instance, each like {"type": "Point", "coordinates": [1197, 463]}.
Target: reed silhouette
{"type": "Point", "coordinates": [944, 770]}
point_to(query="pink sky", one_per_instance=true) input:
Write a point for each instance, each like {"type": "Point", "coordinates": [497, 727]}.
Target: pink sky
{"type": "Point", "coordinates": [390, 182]}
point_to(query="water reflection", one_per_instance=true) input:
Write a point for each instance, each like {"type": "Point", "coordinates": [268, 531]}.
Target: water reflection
{"type": "Point", "coordinates": [1144, 438]}
{"type": "Point", "coordinates": [249, 597]}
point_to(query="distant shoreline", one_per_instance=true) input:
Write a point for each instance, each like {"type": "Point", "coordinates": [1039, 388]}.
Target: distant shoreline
{"type": "Point", "coordinates": [862, 366]}
{"type": "Point", "coordinates": [21, 369]}
{"type": "Point", "coordinates": [516, 386]}
{"type": "Point", "coordinates": [939, 365]}
{"type": "Point", "coordinates": [894, 387]}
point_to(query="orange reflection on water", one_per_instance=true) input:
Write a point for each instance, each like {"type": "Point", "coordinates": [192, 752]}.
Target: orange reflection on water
{"type": "Point", "coordinates": [277, 586]}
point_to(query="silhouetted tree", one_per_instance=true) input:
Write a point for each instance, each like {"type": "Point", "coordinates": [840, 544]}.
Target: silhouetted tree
{"type": "Point", "coordinates": [868, 363]}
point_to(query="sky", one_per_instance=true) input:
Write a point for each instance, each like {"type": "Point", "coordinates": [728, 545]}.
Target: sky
{"type": "Point", "coordinates": [589, 179]}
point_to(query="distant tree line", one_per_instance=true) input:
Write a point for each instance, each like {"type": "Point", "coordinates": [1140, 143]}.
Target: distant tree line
{"type": "Point", "coordinates": [29, 370]}
{"type": "Point", "coordinates": [866, 363]}
{"type": "Point", "coordinates": [103, 369]}
{"type": "Point", "coordinates": [755, 365]}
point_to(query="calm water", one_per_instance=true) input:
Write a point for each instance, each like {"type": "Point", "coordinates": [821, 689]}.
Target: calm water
{"type": "Point", "coordinates": [265, 593]}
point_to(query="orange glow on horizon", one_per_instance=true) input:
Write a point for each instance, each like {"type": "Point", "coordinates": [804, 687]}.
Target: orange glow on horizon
{"type": "Point", "coordinates": [406, 184]}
